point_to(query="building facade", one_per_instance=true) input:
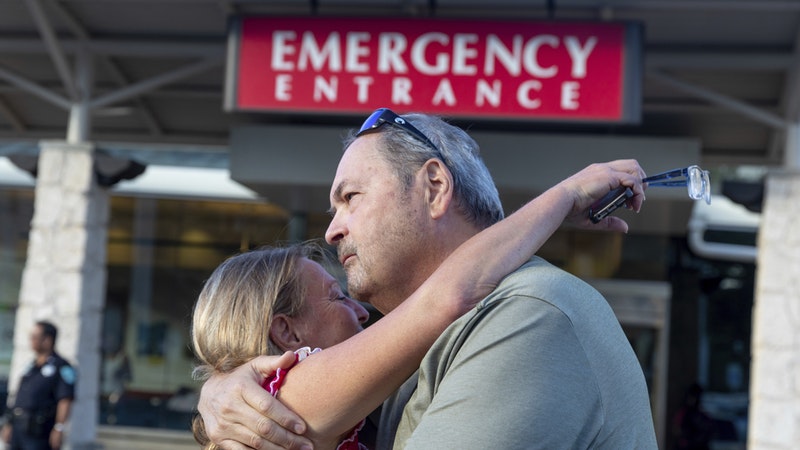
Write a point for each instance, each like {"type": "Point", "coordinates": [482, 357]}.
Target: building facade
{"type": "Point", "coordinates": [117, 258]}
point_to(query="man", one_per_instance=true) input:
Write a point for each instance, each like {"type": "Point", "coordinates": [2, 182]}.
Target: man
{"type": "Point", "coordinates": [43, 400]}
{"type": "Point", "coordinates": [541, 363]}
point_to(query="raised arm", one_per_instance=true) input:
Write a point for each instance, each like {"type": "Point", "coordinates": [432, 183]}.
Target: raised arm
{"type": "Point", "coordinates": [336, 388]}
{"type": "Point", "coordinates": [508, 244]}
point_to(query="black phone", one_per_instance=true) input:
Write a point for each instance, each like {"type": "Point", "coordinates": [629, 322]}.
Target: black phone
{"type": "Point", "coordinates": [611, 201]}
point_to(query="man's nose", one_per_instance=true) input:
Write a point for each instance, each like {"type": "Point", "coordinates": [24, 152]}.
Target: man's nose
{"type": "Point", "coordinates": [335, 232]}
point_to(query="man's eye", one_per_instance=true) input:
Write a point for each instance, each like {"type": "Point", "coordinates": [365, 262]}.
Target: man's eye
{"type": "Point", "coordinates": [349, 196]}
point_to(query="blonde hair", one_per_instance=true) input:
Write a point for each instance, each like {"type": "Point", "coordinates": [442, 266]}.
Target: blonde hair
{"type": "Point", "coordinates": [234, 311]}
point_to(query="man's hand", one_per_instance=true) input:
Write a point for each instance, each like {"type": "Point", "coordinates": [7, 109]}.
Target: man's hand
{"type": "Point", "coordinates": [56, 437]}
{"type": "Point", "coordinates": [239, 414]}
{"type": "Point", "coordinates": [595, 181]}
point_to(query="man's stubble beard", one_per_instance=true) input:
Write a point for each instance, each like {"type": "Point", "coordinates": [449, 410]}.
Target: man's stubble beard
{"type": "Point", "coordinates": [372, 278]}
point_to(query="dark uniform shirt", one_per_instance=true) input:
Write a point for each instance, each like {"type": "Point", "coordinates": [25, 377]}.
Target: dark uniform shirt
{"type": "Point", "coordinates": [34, 413]}
{"type": "Point", "coordinates": [41, 387]}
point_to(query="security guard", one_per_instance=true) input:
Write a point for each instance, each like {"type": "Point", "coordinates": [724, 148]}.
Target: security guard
{"type": "Point", "coordinates": [44, 397]}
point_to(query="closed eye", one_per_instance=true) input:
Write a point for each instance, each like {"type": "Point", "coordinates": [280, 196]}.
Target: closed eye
{"type": "Point", "coordinates": [336, 293]}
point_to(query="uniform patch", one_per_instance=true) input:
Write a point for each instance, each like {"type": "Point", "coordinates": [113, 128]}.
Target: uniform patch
{"type": "Point", "coordinates": [48, 370]}
{"type": "Point", "coordinates": [68, 374]}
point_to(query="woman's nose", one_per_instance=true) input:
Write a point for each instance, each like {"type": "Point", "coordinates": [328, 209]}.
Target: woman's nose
{"type": "Point", "coordinates": [361, 312]}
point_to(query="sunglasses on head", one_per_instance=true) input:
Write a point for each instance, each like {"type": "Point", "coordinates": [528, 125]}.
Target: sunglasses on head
{"type": "Point", "coordinates": [383, 116]}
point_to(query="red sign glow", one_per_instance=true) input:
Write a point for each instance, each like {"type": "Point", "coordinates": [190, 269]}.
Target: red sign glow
{"type": "Point", "coordinates": [501, 69]}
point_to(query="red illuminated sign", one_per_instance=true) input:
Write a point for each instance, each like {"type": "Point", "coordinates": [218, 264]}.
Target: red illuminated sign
{"type": "Point", "coordinates": [575, 71]}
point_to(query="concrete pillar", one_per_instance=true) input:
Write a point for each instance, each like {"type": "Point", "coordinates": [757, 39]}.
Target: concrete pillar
{"type": "Point", "coordinates": [64, 277]}
{"type": "Point", "coordinates": [774, 416]}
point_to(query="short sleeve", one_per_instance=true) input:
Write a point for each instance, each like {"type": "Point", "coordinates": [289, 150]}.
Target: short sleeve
{"type": "Point", "coordinates": [65, 388]}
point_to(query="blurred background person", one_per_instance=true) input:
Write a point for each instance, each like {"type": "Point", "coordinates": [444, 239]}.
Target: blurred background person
{"type": "Point", "coordinates": [41, 407]}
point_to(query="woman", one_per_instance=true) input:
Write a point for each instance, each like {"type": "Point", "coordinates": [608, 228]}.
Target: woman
{"type": "Point", "coordinates": [269, 301]}
{"type": "Point", "coordinates": [244, 312]}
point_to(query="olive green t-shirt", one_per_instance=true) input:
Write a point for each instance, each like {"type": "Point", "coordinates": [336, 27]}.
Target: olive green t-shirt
{"type": "Point", "coordinates": [542, 362]}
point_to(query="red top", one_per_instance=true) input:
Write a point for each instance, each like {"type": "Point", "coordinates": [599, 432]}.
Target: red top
{"type": "Point", "coordinates": [273, 383]}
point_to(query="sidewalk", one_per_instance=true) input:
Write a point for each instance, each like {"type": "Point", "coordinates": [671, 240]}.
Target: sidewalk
{"type": "Point", "coordinates": [132, 438]}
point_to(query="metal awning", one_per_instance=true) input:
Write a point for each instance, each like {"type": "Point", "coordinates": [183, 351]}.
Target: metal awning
{"type": "Point", "coordinates": [721, 71]}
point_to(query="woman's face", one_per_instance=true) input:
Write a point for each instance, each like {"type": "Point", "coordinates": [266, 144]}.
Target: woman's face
{"type": "Point", "coordinates": [329, 316]}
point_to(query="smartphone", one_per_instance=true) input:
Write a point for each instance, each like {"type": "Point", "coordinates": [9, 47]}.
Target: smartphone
{"type": "Point", "coordinates": [611, 201]}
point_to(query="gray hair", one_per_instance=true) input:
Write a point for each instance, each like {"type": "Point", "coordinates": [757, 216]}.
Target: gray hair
{"type": "Point", "coordinates": [475, 194]}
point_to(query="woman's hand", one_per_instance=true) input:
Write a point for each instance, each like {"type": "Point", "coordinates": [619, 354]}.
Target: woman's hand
{"type": "Point", "coordinates": [595, 181]}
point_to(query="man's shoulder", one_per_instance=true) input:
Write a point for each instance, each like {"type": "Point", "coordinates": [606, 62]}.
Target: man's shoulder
{"type": "Point", "coordinates": [560, 332]}
{"type": "Point", "coordinates": [547, 284]}
{"type": "Point", "coordinates": [551, 306]}
{"type": "Point", "coordinates": [538, 275]}
{"type": "Point", "coordinates": [536, 294]}
{"type": "Point", "coordinates": [59, 360]}
{"type": "Point", "coordinates": [65, 369]}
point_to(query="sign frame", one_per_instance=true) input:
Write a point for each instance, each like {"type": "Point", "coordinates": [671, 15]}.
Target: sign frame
{"type": "Point", "coordinates": [628, 96]}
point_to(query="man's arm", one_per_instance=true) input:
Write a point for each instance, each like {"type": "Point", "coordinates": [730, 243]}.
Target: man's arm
{"type": "Point", "coordinates": [7, 428]}
{"type": "Point", "coordinates": [6, 433]}
{"type": "Point", "coordinates": [62, 410]}
{"type": "Point", "coordinates": [62, 415]}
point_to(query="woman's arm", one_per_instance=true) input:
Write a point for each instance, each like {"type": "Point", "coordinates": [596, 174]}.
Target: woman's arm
{"type": "Point", "coordinates": [336, 388]}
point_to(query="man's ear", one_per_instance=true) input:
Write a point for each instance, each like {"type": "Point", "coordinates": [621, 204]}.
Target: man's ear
{"type": "Point", "coordinates": [439, 187]}
{"type": "Point", "coordinates": [282, 332]}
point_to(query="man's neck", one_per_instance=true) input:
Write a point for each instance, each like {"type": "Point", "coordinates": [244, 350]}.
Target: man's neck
{"type": "Point", "coordinates": [445, 241]}
{"type": "Point", "coordinates": [41, 358]}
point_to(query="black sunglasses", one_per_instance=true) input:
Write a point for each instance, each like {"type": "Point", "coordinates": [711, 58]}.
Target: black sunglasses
{"type": "Point", "coordinates": [384, 115]}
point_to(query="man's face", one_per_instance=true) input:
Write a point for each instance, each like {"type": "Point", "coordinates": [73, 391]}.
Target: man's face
{"type": "Point", "coordinates": [378, 228]}
{"type": "Point", "coordinates": [39, 343]}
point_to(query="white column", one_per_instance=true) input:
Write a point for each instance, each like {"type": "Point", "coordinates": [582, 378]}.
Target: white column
{"type": "Point", "coordinates": [65, 275]}
{"type": "Point", "coordinates": [774, 416]}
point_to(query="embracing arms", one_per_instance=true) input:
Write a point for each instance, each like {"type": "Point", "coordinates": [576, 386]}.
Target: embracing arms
{"type": "Point", "coordinates": [334, 389]}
